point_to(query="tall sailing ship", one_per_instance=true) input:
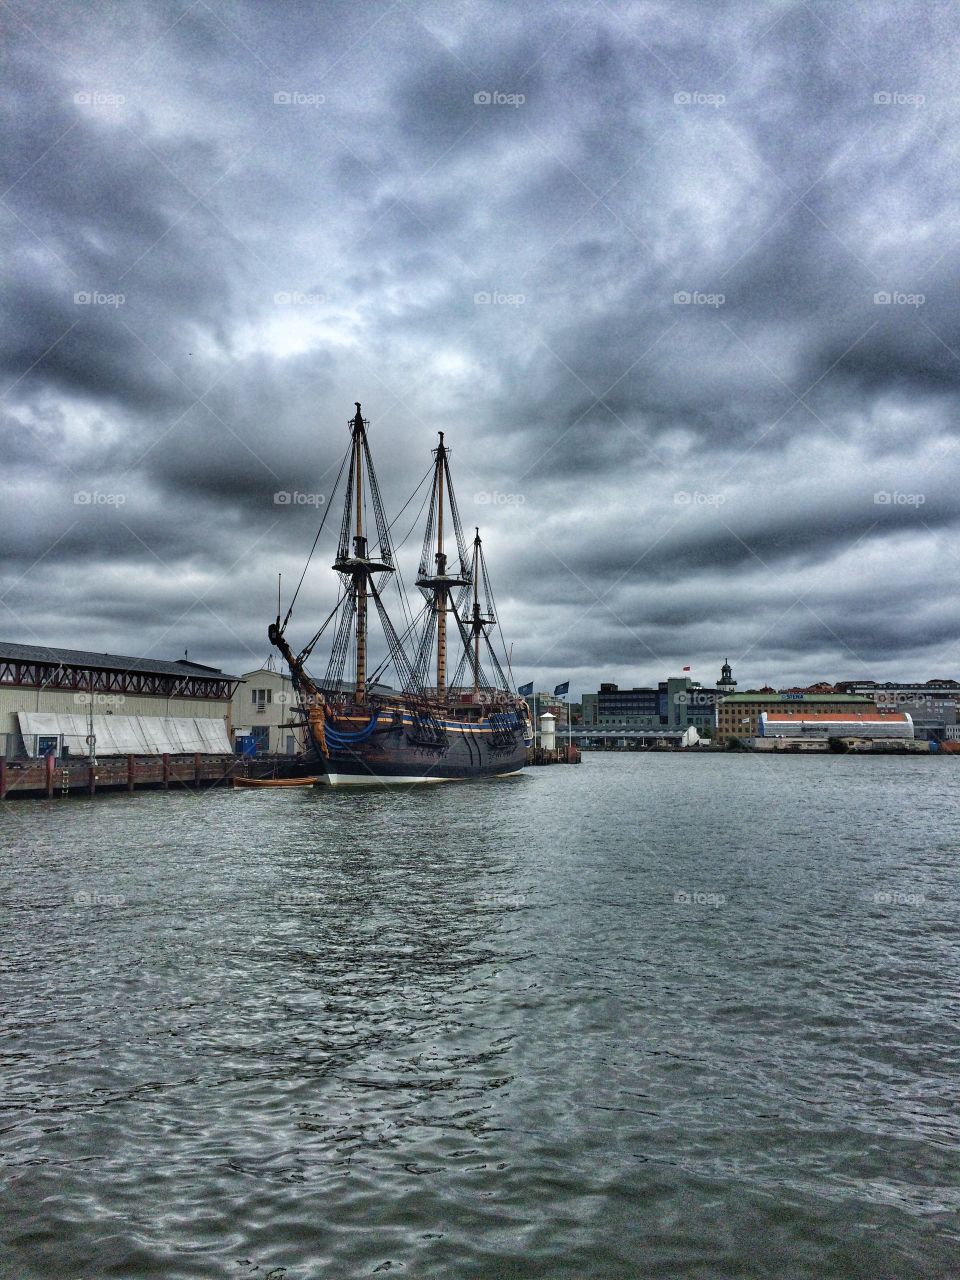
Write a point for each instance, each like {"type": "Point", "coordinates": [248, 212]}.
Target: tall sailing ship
{"type": "Point", "coordinates": [470, 723]}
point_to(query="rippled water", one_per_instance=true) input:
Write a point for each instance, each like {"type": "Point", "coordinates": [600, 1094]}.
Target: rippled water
{"type": "Point", "coordinates": [652, 1016]}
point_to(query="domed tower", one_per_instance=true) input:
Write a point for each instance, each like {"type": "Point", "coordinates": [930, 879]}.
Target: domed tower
{"type": "Point", "coordinates": [726, 683]}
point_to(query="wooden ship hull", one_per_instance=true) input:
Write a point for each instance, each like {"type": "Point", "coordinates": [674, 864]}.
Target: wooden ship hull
{"type": "Point", "coordinates": [397, 752]}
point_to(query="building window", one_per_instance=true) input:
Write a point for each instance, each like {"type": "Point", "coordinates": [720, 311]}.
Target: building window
{"type": "Point", "coordinates": [261, 696]}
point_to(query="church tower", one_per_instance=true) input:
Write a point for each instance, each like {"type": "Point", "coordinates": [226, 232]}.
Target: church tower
{"type": "Point", "coordinates": [726, 683]}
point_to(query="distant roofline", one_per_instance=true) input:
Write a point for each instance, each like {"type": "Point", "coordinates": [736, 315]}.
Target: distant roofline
{"type": "Point", "coordinates": [838, 717]}
{"type": "Point", "coordinates": [747, 696]}
{"type": "Point", "coordinates": [84, 658]}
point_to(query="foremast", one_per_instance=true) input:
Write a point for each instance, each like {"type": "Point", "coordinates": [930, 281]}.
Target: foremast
{"type": "Point", "coordinates": [354, 558]}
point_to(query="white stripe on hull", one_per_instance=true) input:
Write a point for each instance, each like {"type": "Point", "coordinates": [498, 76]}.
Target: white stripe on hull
{"type": "Point", "coordinates": [375, 780]}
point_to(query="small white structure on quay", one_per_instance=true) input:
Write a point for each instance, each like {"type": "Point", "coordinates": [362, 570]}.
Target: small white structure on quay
{"type": "Point", "coordinates": [548, 731]}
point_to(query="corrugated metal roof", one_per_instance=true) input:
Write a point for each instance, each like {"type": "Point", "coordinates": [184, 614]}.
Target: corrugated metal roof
{"type": "Point", "coordinates": [107, 661]}
{"type": "Point", "coordinates": [796, 698]}
{"type": "Point", "coordinates": [836, 717]}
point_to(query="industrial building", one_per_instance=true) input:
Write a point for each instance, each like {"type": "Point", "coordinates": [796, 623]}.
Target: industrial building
{"type": "Point", "coordinates": [56, 700]}
{"type": "Point", "coordinates": [834, 724]}
{"type": "Point", "coordinates": [738, 714]}
{"type": "Point", "coordinates": [634, 708]}
{"type": "Point", "coordinates": [676, 703]}
{"type": "Point", "coordinates": [262, 705]}
{"type": "Point", "coordinates": [933, 705]}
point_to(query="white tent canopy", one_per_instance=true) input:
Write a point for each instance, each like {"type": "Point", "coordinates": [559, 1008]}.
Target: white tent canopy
{"type": "Point", "coordinates": [126, 735]}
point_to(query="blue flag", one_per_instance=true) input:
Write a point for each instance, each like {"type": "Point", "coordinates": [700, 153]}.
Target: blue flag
{"type": "Point", "coordinates": [525, 689]}
{"type": "Point", "coordinates": [561, 689]}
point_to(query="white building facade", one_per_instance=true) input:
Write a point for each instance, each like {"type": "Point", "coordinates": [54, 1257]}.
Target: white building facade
{"type": "Point", "coordinates": [262, 706]}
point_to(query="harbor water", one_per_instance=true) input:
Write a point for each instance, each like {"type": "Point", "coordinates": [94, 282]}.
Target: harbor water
{"type": "Point", "coordinates": [658, 1015]}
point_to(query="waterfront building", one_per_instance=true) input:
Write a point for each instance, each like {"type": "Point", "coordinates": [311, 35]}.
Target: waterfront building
{"type": "Point", "coordinates": [262, 705]}
{"type": "Point", "coordinates": [933, 705]}
{"type": "Point", "coordinates": [48, 696]}
{"type": "Point", "coordinates": [631, 708]}
{"type": "Point", "coordinates": [676, 703]}
{"type": "Point", "coordinates": [684, 703]}
{"type": "Point", "coordinates": [793, 725]}
{"type": "Point", "coordinates": [738, 714]}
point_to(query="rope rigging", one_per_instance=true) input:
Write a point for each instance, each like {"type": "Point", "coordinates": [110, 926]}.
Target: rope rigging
{"type": "Point", "coordinates": [460, 586]}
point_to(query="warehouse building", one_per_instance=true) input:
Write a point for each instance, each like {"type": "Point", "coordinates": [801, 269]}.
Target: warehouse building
{"type": "Point", "coordinates": [262, 706]}
{"type": "Point", "coordinates": [822, 726]}
{"type": "Point", "coordinates": [54, 700]}
{"type": "Point", "coordinates": [738, 714]}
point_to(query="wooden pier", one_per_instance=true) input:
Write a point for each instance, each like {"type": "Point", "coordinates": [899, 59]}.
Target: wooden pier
{"type": "Point", "coordinates": [51, 777]}
{"type": "Point", "coordinates": [553, 755]}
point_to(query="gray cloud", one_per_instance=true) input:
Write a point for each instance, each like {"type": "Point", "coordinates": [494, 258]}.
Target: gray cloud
{"type": "Point", "coordinates": [279, 260]}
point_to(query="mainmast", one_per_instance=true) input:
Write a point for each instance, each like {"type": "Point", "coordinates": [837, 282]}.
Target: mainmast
{"type": "Point", "coordinates": [440, 583]}
{"type": "Point", "coordinates": [478, 622]}
{"type": "Point", "coordinates": [359, 565]}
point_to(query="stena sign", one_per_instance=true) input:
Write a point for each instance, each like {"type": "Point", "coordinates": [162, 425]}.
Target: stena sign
{"type": "Point", "coordinates": [795, 697]}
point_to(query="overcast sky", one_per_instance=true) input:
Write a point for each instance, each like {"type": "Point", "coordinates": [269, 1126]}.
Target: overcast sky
{"type": "Point", "coordinates": [628, 256]}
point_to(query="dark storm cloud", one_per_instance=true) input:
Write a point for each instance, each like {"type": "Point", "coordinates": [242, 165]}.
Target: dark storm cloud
{"type": "Point", "coordinates": [683, 293]}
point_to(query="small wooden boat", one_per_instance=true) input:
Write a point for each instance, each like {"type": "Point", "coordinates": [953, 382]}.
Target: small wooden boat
{"type": "Point", "coordinates": [275, 782]}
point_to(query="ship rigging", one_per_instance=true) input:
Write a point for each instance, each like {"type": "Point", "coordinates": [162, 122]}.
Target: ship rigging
{"type": "Point", "coordinates": [426, 730]}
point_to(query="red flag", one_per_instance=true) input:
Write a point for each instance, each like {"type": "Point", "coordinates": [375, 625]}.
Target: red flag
{"type": "Point", "coordinates": [686, 668]}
